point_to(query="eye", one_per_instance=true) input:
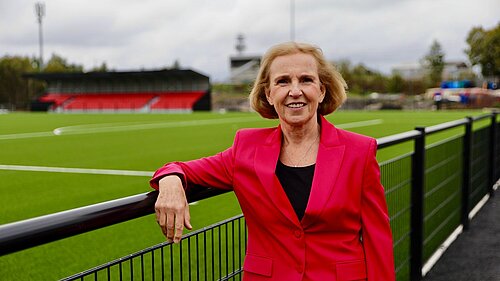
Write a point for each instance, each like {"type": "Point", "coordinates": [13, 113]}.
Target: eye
{"type": "Point", "coordinates": [282, 81]}
{"type": "Point", "coordinates": [307, 80]}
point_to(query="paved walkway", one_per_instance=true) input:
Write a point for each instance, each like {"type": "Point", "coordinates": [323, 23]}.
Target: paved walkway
{"type": "Point", "coordinates": [475, 255]}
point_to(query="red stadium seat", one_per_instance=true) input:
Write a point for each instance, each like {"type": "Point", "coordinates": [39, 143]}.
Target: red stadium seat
{"type": "Point", "coordinates": [177, 100]}
{"type": "Point", "coordinates": [109, 101]}
{"type": "Point", "coordinates": [124, 101]}
{"type": "Point", "coordinates": [57, 99]}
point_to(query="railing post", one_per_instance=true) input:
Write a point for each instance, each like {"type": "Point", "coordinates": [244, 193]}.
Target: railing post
{"type": "Point", "coordinates": [417, 207]}
{"type": "Point", "coordinates": [467, 150]}
{"type": "Point", "coordinates": [493, 150]}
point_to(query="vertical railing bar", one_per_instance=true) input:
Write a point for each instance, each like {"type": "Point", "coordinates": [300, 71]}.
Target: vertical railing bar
{"type": "Point", "coordinates": [189, 258]}
{"type": "Point", "coordinates": [121, 271]}
{"type": "Point", "coordinates": [213, 255]}
{"type": "Point", "coordinates": [417, 201]}
{"type": "Point", "coordinates": [180, 261]}
{"type": "Point", "coordinates": [467, 151]}
{"type": "Point", "coordinates": [142, 267]}
{"type": "Point", "coordinates": [172, 262]}
{"type": "Point", "coordinates": [109, 273]}
{"type": "Point", "coordinates": [239, 242]}
{"type": "Point", "coordinates": [232, 251]}
{"type": "Point", "coordinates": [131, 269]}
{"type": "Point", "coordinates": [493, 149]}
{"type": "Point", "coordinates": [220, 252]}
{"type": "Point", "coordinates": [162, 261]}
{"type": "Point", "coordinates": [95, 275]}
{"type": "Point", "coordinates": [205, 254]}
{"type": "Point", "coordinates": [197, 258]}
{"type": "Point", "coordinates": [153, 265]}
{"type": "Point", "coordinates": [227, 249]}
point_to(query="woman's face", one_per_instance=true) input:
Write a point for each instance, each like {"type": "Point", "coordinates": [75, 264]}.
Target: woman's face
{"type": "Point", "coordinates": [295, 90]}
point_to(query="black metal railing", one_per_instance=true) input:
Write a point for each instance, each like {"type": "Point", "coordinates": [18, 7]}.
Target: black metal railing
{"type": "Point", "coordinates": [396, 176]}
{"type": "Point", "coordinates": [215, 252]}
{"type": "Point", "coordinates": [430, 192]}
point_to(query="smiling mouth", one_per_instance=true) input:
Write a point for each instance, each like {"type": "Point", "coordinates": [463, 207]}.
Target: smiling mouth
{"type": "Point", "coordinates": [296, 105]}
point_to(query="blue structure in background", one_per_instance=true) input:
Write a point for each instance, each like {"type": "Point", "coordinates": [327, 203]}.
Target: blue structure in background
{"type": "Point", "coordinates": [466, 84]}
{"type": "Point", "coordinates": [457, 84]}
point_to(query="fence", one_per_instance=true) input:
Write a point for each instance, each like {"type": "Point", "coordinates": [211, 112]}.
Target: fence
{"type": "Point", "coordinates": [430, 193]}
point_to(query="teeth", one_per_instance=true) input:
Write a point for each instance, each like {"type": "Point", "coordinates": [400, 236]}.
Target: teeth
{"type": "Point", "coordinates": [295, 105]}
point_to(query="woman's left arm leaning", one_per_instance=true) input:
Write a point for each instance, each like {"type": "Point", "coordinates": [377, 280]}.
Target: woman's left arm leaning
{"type": "Point", "coordinates": [172, 181]}
{"type": "Point", "coordinates": [376, 230]}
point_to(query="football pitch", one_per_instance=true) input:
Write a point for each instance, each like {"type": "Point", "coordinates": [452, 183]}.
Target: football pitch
{"type": "Point", "coordinates": [55, 162]}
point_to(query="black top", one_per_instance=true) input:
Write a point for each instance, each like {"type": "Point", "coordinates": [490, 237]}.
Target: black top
{"type": "Point", "coordinates": [296, 182]}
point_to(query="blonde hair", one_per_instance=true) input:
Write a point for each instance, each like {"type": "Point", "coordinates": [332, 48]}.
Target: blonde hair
{"type": "Point", "coordinates": [330, 78]}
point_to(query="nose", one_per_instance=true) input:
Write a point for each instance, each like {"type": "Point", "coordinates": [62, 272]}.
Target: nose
{"type": "Point", "coordinates": [295, 90]}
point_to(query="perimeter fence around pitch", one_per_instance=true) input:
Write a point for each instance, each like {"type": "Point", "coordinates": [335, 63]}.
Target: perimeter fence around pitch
{"type": "Point", "coordinates": [432, 193]}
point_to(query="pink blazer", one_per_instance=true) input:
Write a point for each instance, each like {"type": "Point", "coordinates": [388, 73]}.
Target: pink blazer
{"type": "Point", "coordinates": [345, 232]}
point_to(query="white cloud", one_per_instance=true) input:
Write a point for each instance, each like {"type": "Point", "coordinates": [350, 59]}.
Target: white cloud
{"type": "Point", "coordinates": [131, 34]}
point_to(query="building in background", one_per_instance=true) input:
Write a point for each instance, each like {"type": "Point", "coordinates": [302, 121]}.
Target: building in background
{"type": "Point", "coordinates": [453, 70]}
{"type": "Point", "coordinates": [142, 91]}
{"type": "Point", "coordinates": [409, 71]}
{"type": "Point", "coordinates": [244, 69]}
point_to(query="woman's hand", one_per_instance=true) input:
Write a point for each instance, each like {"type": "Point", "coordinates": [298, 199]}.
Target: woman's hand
{"type": "Point", "coordinates": [172, 209]}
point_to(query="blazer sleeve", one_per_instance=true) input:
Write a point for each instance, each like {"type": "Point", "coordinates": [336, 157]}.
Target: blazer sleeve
{"type": "Point", "coordinates": [376, 230]}
{"type": "Point", "coordinates": [214, 171]}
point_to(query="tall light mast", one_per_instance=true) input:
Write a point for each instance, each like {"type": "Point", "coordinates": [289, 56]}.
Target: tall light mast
{"type": "Point", "coordinates": [40, 13]}
{"type": "Point", "coordinates": [292, 20]}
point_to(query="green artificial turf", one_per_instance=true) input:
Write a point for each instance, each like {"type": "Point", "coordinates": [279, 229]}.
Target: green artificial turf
{"type": "Point", "coordinates": [140, 142]}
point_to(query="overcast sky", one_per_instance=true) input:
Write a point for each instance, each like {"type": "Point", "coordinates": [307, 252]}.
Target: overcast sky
{"type": "Point", "coordinates": [201, 35]}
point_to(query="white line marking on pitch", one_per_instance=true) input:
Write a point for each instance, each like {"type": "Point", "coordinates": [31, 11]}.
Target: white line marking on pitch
{"type": "Point", "coordinates": [26, 135]}
{"type": "Point", "coordinates": [121, 127]}
{"type": "Point", "coordinates": [76, 170]}
{"type": "Point", "coordinates": [360, 124]}
{"type": "Point", "coordinates": [128, 172]}
{"type": "Point", "coordinates": [130, 126]}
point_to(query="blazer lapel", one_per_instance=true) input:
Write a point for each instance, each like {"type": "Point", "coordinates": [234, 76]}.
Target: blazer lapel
{"type": "Point", "coordinates": [266, 158]}
{"type": "Point", "coordinates": [328, 164]}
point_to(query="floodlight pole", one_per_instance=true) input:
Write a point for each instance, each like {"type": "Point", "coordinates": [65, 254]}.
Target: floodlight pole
{"type": "Point", "coordinates": [40, 13]}
{"type": "Point", "coordinates": [292, 20]}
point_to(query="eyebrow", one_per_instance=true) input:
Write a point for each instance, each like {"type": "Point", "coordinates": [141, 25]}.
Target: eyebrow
{"type": "Point", "coordinates": [287, 76]}
{"type": "Point", "coordinates": [300, 76]}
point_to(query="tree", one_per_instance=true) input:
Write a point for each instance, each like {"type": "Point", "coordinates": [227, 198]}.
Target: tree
{"type": "Point", "coordinates": [102, 68]}
{"type": "Point", "coordinates": [59, 64]}
{"type": "Point", "coordinates": [396, 84]}
{"type": "Point", "coordinates": [361, 79]}
{"type": "Point", "coordinates": [484, 50]}
{"type": "Point", "coordinates": [434, 63]}
{"type": "Point", "coordinates": [14, 89]}
{"type": "Point", "coordinates": [176, 64]}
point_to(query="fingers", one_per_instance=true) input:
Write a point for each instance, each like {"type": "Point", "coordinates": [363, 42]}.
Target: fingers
{"type": "Point", "coordinates": [187, 218]}
{"type": "Point", "coordinates": [172, 210]}
{"type": "Point", "coordinates": [169, 228]}
{"type": "Point", "coordinates": [172, 221]}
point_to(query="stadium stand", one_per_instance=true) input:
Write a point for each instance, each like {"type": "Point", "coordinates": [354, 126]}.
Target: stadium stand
{"type": "Point", "coordinates": [160, 90]}
{"type": "Point", "coordinates": [182, 101]}
{"type": "Point", "coordinates": [108, 101]}
{"type": "Point", "coordinates": [55, 99]}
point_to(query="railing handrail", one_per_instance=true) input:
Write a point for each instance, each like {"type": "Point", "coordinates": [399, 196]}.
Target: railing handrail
{"type": "Point", "coordinates": [445, 126]}
{"type": "Point", "coordinates": [28, 233]}
{"type": "Point", "coordinates": [32, 232]}
{"type": "Point", "coordinates": [397, 138]}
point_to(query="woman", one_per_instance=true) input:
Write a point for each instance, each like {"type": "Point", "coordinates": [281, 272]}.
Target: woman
{"type": "Point", "coordinates": [311, 193]}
